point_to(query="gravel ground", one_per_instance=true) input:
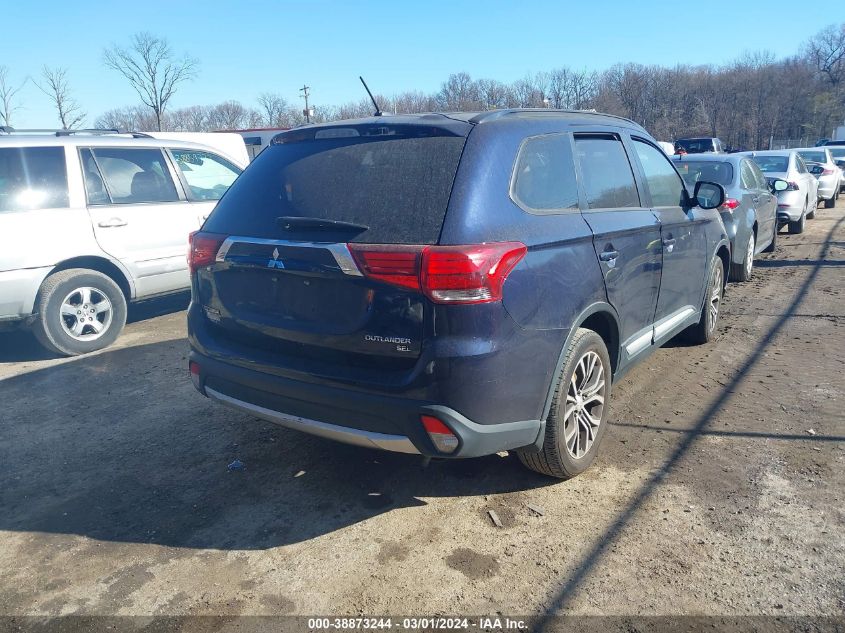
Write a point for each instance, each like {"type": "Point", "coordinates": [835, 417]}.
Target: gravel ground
{"type": "Point", "coordinates": [719, 490]}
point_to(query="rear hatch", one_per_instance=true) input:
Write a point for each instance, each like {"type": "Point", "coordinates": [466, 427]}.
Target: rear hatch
{"type": "Point", "coordinates": [286, 246]}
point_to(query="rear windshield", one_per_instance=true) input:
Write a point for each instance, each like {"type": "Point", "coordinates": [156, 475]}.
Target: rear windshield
{"type": "Point", "coordinates": [816, 157]}
{"type": "Point", "coordinates": [393, 181]}
{"type": "Point", "coordinates": [695, 145]}
{"type": "Point", "coordinates": [692, 171]}
{"type": "Point", "coordinates": [32, 178]}
{"type": "Point", "coordinates": [772, 163]}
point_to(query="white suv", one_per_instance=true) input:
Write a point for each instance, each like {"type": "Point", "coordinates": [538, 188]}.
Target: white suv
{"type": "Point", "coordinates": [92, 220]}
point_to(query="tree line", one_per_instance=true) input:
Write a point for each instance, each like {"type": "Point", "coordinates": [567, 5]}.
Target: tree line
{"type": "Point", "coordinates": [745, 102]}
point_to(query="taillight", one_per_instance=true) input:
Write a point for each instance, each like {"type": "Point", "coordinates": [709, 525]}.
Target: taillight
{"type": "Point", "coordinates": [730, 204]}
{"type": "Point", "coordinates": [441, 435]}
{"type": "Point", "coordinates": [445, 274]}
{"type": "Point", "coordinates": [793, 186]}
{"type": "Point", "coordinates": [202, 249]}
{"type": "Point", "coordinates": [827, 172]}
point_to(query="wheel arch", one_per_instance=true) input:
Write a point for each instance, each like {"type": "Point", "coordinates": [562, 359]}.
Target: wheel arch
{"type": "Point", "coordinates": [604, 321]}
{"type": "Point", "coordinates": [100, 264]}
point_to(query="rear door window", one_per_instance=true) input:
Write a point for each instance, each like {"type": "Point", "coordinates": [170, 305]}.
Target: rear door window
{"type": "Point", "coordinates": [544, 176]}
{"type": "Point", "coordinates": [605, 172]}
{"type": "Point", "coordinates": [129, 176]}
{"type": "Point", "coordinates": [32, 178]}
{"type": "Point", "coordinates": [664, 184]}
{"type": "Point", "coordinates": [749, 180]}
{"type": "Point", "coordinates": [393, 182]}
{"type": "Point", "coordinates": [207, 175]}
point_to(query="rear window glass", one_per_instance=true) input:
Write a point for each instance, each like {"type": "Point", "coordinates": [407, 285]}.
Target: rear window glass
{"type": "Point", "coordinates": [695, 145]}
{"type": "Point", "coordinates": [816, 157]}
{"type": "Point", "coordinates": [32, 178]}
{"type": "Point", "coordinates": [772, 163]}
{"type": "Point", "coordinates": [693, 171]}
{"type": "Point", "coordinates": [394, 181]}
{"type": "Point", "coordinates": [544, 178]}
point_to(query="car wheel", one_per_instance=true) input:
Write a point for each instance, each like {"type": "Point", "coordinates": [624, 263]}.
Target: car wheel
{"type": "Point", "coordinates": [798, 226]}
{"type": "Point", "coordinates": [577, 419]}
{"type": "Point", "coordinates": [79, 311]}
{"type": "Point", "coordinates": [830, 202]}
{"type": "Point", "coordinates": [742, 272]}
{"type": "Point", "coordinates": [705, 330]}
{"type": "Point", "coordinates": [774, 243]}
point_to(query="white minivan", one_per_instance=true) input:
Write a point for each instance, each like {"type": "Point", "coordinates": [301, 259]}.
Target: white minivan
{"type": "Point", "coordinates": [93, 220]}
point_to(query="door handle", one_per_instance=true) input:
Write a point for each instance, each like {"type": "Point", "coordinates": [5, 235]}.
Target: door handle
{"type": "Point", "coordinates": [609, 256]}
{"type": "Point", "coordinates": [112, 222]}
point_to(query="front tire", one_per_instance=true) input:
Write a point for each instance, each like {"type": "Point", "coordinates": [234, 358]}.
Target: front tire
{"type": "Point", "coordinates": [705, 330]}
{"type": "Point", "coordinates": [577, 419]}
{"type": "Point", "coordinates": [830, 202]}
{"type": "Point", "coordinates": [774, 243]}
{"type": "Point", "coordinates": [797, 227]}
{"type": "Point", "coordinates": [79, 311]}
{"type": "Point", "coordinates": [742, 272]}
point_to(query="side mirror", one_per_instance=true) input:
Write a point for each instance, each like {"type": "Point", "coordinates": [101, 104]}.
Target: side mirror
{"type": "Point", "coordinates": [709, 195]}
{"type": "Point", "coordinates": [779, 185]}
{"type": "Point", "coordinates": [840, 163]}
{"type": "Point", "coordinates": [816, 170]}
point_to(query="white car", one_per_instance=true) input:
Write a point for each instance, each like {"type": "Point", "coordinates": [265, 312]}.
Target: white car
{"type": "Point", "coordinates": [93, 220]}
{"type": "Point", "coordinates": [798, 202]}
{"type": "Point", "coordinates": [830, 176]}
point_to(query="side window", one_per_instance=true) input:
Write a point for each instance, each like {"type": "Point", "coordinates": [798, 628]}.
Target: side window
{"type": "Point", "coordinates": [606, 173]}
{"type": "Point", "coordinates": [208, 176]}
{"type": "Point", "coordinates": [664, 184]}
{"type": "Point", "coordinates": [32, 178]}
{"type": "Point", "coordinates": [130, 176]}
{"type": "Point", "coordinates": [544, 177]}
{"type": "Point", "coordinates": [747, 177]}
{"type": "Point", "coordinates": [799, 165]}
{"type": "Point", "coordinates": [762, 183]}
{"type": "Point", "coordinates": [95, 188]}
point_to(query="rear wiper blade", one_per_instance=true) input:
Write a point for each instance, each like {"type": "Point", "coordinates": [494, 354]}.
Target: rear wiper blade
{"type": "Point", "coordinates": [296, 223]}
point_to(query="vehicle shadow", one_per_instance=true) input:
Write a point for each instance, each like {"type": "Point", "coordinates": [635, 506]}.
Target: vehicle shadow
{"type": "Point", "coordinates": [119, 447]}
{"type": "Point", "coordinates": [20, 345]}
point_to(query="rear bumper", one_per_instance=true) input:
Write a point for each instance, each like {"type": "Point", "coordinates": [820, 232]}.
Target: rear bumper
{"type": "Point", "coordinates": [18, 289]}
{"type": "Point", "coordinates": [364, 419]}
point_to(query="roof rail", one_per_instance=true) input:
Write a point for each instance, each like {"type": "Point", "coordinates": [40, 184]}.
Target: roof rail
{"type": "Point", "coordinates": [8, 129]}
{"type": "Point", "coordinates": [495, 114]}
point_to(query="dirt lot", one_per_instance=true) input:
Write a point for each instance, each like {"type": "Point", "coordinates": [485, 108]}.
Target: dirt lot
{"type": "Point", "coordinates": [719, 491]}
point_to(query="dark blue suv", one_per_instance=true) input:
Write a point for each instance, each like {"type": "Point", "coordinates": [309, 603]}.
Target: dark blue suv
{"type": "Point", "coordinates": [452, 285]}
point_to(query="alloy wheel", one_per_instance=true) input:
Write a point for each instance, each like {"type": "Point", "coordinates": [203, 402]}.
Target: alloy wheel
{"type": "Point", "coordinates": [86, 314]}
{"type": "Point", "coordinates": [584, 404]}
{"type": "Point", "coordinates": [749, 256]}
{"type": "Point", "coordinates": [715, 301]}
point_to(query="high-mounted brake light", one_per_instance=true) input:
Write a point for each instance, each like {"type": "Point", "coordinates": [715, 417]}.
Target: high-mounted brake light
{"type": "Point", "coordinates": [445, 274]}
{"type": "Point", "coordinates": [202, 249]}
{"type": "Point", "coordinates": [441, 435]}
{"type": "Point", "coordinates": [730, 204]}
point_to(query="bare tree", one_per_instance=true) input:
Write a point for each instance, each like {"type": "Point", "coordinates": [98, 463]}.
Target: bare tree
{"type": "Point", "coordinates": [56, 87]}
{"type": "Point", "coordinates": [826, 52]}
{"type": "Point", "coordinates": [151, 69]}
{"type": "Point", "coordinates": [275, 109]}
{"type": "Point", "coordinates": [8, 94]}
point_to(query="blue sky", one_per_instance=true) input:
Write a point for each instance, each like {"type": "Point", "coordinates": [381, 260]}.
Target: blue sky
{"type": "Point", "coordinates": [252, 46]}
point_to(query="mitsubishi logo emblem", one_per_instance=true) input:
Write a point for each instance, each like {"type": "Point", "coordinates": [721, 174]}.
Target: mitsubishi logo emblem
{"type": "Point", "coordinates": [275, 262]}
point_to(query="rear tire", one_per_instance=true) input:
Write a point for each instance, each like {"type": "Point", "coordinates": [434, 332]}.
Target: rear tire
{"type": "Point", "coordinates": [831, 202]}
{"type": "Point", "coordinates": [705, 330]}
{"type": "Point", "coordinates": [79, 311]}
{"type": "Point", "coordinates": [742, 272]}
{"type": "Point", "coordinates": [577, 419]}
{"type": "Point", "coordinates": [797, 227]}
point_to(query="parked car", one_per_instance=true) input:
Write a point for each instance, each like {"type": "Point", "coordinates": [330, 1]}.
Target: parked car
{"type": "Point", "coordinates": [379, 281]}
{"type": "Point", "coordinates": [668, 148]}
{"type": "Point", "coordinates": [750, 209]}
{"type": "Point", "coordinates": [837, 150]}
{"type": "Point", "coordinates": [798, 201]}
{"type": "Point", "coordinates": [829, 177]}
{"type": "Point", "coordinates": [90, 221]}
{"type": "Point", "coordinates": [700, 145]}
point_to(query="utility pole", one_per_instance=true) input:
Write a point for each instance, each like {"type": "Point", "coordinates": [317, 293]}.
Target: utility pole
{"type": "Point", "coordinates": [308, 111]}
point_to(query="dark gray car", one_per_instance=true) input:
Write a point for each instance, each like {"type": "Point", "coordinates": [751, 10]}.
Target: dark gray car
{"type": "Point", "coordinates": [749, 211]}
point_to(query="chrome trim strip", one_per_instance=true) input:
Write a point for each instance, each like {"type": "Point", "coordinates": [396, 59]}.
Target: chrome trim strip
{"type": "Point", "coordinates": [639, 343]}
{"type": "Point", "coordinates": [358, 437]}
{"type": "Point", "coordinates": [339, 251]}
{"type": "Point", "coordinates": [671, 321]}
